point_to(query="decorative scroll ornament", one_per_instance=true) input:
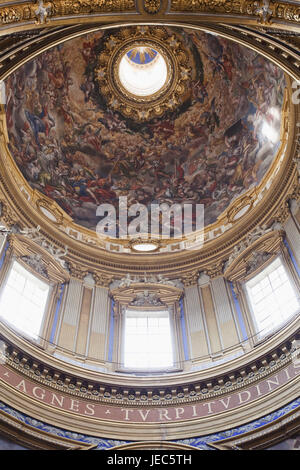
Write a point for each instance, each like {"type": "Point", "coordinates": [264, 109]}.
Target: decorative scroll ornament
{"type": "Point", "coordinates": [152, 6]}
{"type": "Point", "coordinates": [76, 271]}
{"type": "Point", "coordinates": [252, 237]}
{"type": "Point", "coordinates": [147, 279]}
{"type": "Point", "coordinates": [145, 298]}
{"type": "Point", "coordinates": [35, 235]}
{"type": "Point", "coordinates": [41, 12]}
{"type": "Point", "coordinates": [35, 261]}
{"type": "Point", "coordinates": [8, 218]}
{"type": "Point", "coordinates": [215, 270]}
{"type": "Point", "coordinates": [257, 259]}
{"type": "Point", "coordinates": [280, 10]}
{"type": "Point", "coordinates": [102, 279]}
{"type": "Point", "coordinates": [190, 278]}
{"type": "Point", "coordinates": [296, 160]}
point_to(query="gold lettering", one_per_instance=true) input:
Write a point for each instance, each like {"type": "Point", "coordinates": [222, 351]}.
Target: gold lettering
{"type": "Point", "coordinates": [164, 414]}
{"type": "Point", "coordinates": [74, 405]}
{"type": "Point", "coordinates": [144, 416]}
{"type": "Point", "coordinates": [90, 408]}
{"type": "Point", "coordinates": [59, 401]}
{"type": "Point", "coordinates": [179, 412]}
{"type": "Point", "coordinates": [22, 384]}
{"type": "Point", "coordinates": [274, 381]}
{"type": "Point", "coordinates": [247, 398]}
{"type": "Point", "coordinates": [37, 394]}
{"type": "Point", "coordinates": [126, 414]}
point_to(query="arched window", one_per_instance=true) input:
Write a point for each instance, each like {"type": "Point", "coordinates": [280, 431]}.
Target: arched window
{"type": "Point", "coordinates": [23, 300]}
{"type": "Point", "coordinates": [272, 297]}
{"type": "Point", "coordinates": [265, 284]}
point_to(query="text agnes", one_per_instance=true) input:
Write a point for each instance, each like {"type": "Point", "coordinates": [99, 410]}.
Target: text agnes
{"type": "Point", "coordinates": [156, 414]}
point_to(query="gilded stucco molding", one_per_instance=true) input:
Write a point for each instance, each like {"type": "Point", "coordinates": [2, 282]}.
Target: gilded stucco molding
{"type": "Point", "coordinates": [169, 97]}
{"type": "Point", "coordinates": [266, 11]}
{"type": "Point", "coordinates": [152, 6]}
{"type": "Point", "coordinates": [42, 13]}
{"type": "Point", "coordinates": [102, 279]}
{"type": "Point", "coordinates": [265, 241]}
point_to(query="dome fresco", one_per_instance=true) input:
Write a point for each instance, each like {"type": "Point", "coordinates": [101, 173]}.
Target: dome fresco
{"type": "Point", "coordinates": [74, 147]}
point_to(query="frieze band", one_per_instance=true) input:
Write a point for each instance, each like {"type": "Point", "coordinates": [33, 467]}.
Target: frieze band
{"type": "Point", "coordinates": [151, 415]}
{"type": "Point", "coordinates": [186, 392]}
{"type": "Point", "coordinates": [266, 12]}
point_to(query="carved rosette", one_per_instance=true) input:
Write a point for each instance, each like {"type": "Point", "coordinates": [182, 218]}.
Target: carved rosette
{"type": "Point", "coordinates": [152, 6]}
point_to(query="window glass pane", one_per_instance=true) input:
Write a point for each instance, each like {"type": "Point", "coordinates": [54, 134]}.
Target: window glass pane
{"type": "Point", "coordinates": [23, 300]}
{"type": "Point", "coordinates": [147, 343]}
{"type": "Point", "coordinates": [272, 297]}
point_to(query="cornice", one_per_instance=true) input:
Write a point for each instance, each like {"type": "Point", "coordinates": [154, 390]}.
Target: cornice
{"type": "Point", "coordinates": [36, 439]}
{"type": "Point", "coordinates": [137, 430]}
{"type": "Point", "coordinates": [284, 427]}
{"type": "Point", "coordinates": [42, 14]}
{"type": "Point", "coordinates": [36, 364]}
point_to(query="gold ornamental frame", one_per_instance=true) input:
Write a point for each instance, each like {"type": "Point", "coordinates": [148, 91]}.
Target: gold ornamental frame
{"type": "Point", "coordinates": [168, 97]}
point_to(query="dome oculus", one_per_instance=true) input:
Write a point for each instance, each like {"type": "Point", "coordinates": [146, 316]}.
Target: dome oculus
{"type": "Point", "coordinates": [143, 71]}
{"type": "Point", "coordinates": [145, 74]}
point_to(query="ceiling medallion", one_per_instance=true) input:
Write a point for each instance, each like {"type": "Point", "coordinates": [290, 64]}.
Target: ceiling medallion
{"type": "Point", "coordinates": [143, 72]}
{"type": "Point", "coordinates": [152, 6]}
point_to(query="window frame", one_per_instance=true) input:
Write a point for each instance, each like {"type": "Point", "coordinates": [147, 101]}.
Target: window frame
{"type": "Point", "coordinates": [40, 338]}
{"type": "Point", "coordinates": [144, 312]}
{"type": "Point", "coordinates": [256, 334]}
{"type": "Point", "coordinates": [119, 337]}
